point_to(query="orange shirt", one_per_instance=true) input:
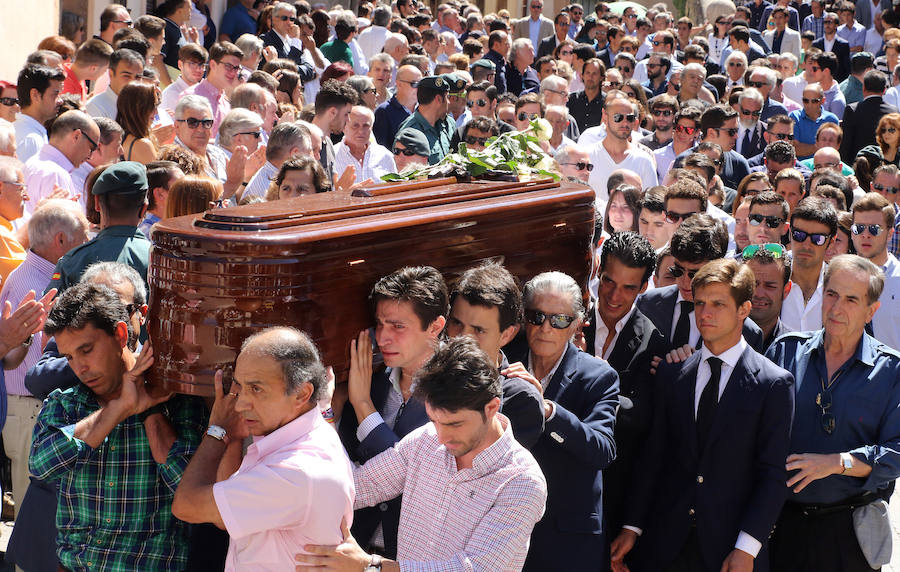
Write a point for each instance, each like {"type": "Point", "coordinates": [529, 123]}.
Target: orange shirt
{"type": "Point", "coordinates": [11, 252]}
{"type": "Point", "coordinates": [72, 84]}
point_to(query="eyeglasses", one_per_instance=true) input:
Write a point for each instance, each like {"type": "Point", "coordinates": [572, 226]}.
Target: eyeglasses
{"type": "Point", "coordinates": [411, 83]}
{"type": "Point", "coordinates": [193, 122]}
{"type": "Point", "coordinates": [472, 140]}
{"type": "Point", "coordinates": [557, 321]}
{"type": "Point", "coordinates": [823, 400]}
{"type": "Point", "coordinates": [630, 16]}
{"type": "Point", "coordinates": [859, 228]}
{"type": "Point", "coordinates": [685, 129]}
{"type": "Point", "coordinates": [582, 166]}
{"type": "Point", "coordinates": [889, 130]}
{"type": "Point", "coordinates": [478, 102]}
{"type": "Point", "coordinates": [230, 67]}
{"type": "Point", "coordinates": [537, 7]}
{"type": "Point", "coordinates": [771, 220]}
{"type": "Point", "coordinates": [754, 192]}
{"type": "Point", "coordinates": [576, 13]}
{"type": "Point", "coordinates": [816, 238]}
{"type": "Point", "coordinates": [255, 134]}
{"type": "Point", "coordinates": [735, 64]}
{"type": "Point", "coordinates": [612, 84]}
{"type": "Point", "coordinates": [748, 113]}
{"type": "Point", "coordinates": [558, 92]}
{"type": "Point", "coordinates": [776, 250]}
{"type": "Point", "coordinates": [815, 100]}
{"type": "Point", "coordinates": [880, 187]}
{"type": "Point", "coordinates": [624, 69]}
{"type": "Point", "coordinates": [291, 18]}
{"type": "Point", "coordinates": [408, 152]}
{"type": "Point", "coordinates": [126, 22]}
{"type": "Point", "coordinates": [756, 84]}
{"type": "Point", "coordinates": [662, 112]}
{"type": "Point", "coordinates": [814, 68]}
{"type": "Point", "coordinates": [370, 90]}
{"type": "Point", "coordinates": [526, 116]}
{"type": "Point", "coordinates": [677, 271]}
{"type": "Point", "coordinates": [731, 131]}
{"type": "Point", "coordinates": [673, 217]}
{"type": "Point", "coordinates": [14, 183]}
{"type": "Point", "coordinates": [653, 66]}
{"type": "Point", "coordinates": [9, 101]}
{"type": "Point", "coordinates": [93, 143]}
{"type": "Point", "coordinates": [566, 52]}
{"type": "Point", "coordinates": [783, 136]}
{"type": "Point", "coordinates": [618, 117]}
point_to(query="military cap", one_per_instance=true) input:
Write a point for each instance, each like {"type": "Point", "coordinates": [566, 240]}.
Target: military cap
{"type": "Point", "coordinates": [437, 83]}
{"type": "Point", "coordinates": [483, 63]}
{"type": "Point", "coordinates": [456, 83]}
{"type": "Point", "coordinates": [122, 178]}
{"type": "Point", "coordinates": [414, 140]}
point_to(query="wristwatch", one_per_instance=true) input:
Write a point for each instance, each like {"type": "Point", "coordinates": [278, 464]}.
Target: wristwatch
{"type": "Point", "coordinates": [374, 564]}
{"type": "Point", "coordinates": [846, 462]}
{"type": "Point", "coordinates": [216, 432]}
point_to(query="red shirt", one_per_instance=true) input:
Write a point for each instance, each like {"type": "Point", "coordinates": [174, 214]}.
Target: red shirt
{"type": "Point", "coordinates": [72, 84]}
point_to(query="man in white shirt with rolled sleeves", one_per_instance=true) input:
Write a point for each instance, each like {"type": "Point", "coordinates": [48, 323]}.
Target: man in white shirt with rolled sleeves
{"type": "Point", "coordinates": [358, 150]}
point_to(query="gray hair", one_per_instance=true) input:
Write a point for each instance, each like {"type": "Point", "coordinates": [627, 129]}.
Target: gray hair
{"type": "Point", "coordinates": [694, 67]}
{"type": "Point", "coordinates": [381, 16]}
{"type": "Point", "coordinates": [791, 58]}
{"type": "Point", "coordinates": [737, 55]}
{"type": "Point", "coordinates": [53, 216]}
{"type": "Point", "coordinates": [360, 83]}
{"type": "Point", "coordinates": [249, 44]}
{"type": "Point", "coordinates": [383, 58]}
{"type": "Point", "coordinates": [281, 7]}
{"type": "Point", "coordinates": [247, 95]}
{"type": "Point", "coordinates": [116, 273]}
{"type": "Point", "coordinates": [296, 353]}
{"type": "Point", "coordinates": [564, 154]}
{"type": "Point", "coordinates": [768, 73]}
{"type": "Point", "coordinates": [9, 169]}
{"type": "Point", "coordinates": [192, 102]}
{"type": "Point", "coordinates": [237, 121]}
{"type": "Point", "coordinates": [553, 82]}
{"type": "Point", "coordinates": [284, 137]}
{"type": "Point", "coordinates": [7, 138]}
{"type": "Point", "coordinates": [556, 283]}
{"type": "Point", "coordinates": [857, 264]}
{"type": "Point", "coordinates": [751, 94]}
{"type": "Point", "coordinates": [518, 44]}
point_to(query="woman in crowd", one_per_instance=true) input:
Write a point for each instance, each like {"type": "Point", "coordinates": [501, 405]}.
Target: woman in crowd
{"type": "Point", "coordinates": [340, 71]}
{"type": "Point", "coordinates": [192, 195]}
{"type": "Point", "coordinates": [622, 210]}
{"type": "Point", "coordinates": [366, 89]}
{"type": "Point", "coordinates": [9, 101]}
{"type": "Point", "coordinates": [290, 88]}
{"type": "Point", "coordinates": [888, 137]}
{"type": "Point", "coordinates": [565, 52]}
{"type": "Point", "coordinates": [751, 185]}
{"type": "Point", "coordinates": [298, 176]}
{"type": "Point", "coordinates": [136, 108]}
{"type": "Point", "coordinates": [841, 243]}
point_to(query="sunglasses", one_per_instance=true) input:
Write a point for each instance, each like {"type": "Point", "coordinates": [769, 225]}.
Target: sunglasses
{"type": "Point", "coordinates": [685, 129]}
{"type": "Point", "coordinates": [756, 84]}
{"type": "Point", "coordinates": [816, 238]}
{"type": "Point", "coordinates": [735, 65]}
{"type": "Point", "coordinates": [771, 221]}
{"type": "Point", "coordinates": [732, 131]}
{"type": "Point", "coordinates": [630, 16]}
{"type": "Point", "coordinates": [623, 69]}
{"type": "Point", "coordinates": [9, 101]}
{"type": "Point", "coordinates": [677, 271]}
{"type": "Point", "coordinates": [126, 22]}
{"type": "Point", "coordinates": [673, 217]}
{"type": "Point", "coordinates": [656, 42]}
{"type": "Point", "coordinates": [581, 166]}
{"type": "Point", "coordinates": [291, 18]}
{"type": "Point", "coordinates": [754, 192]}
{"type": "Point", "coordinates": [370, 90]}
{"type": "Point", "coordinates": [526, 116]}
{"type": "Point", "coordinates": [566, 53]}
{"type": "Point", "coordinates": [813, 100]}
{"type": "Point", "coordinates": [93, 143]}
{"type": "Point", "coordinates": [472, 140]}
{"type": "Point", "coordinates": [557, 321]}
{"type": "Point", "coordinates": [776, 250]}
{"type": "Point", "coordinates": [618, 117]}
{"type": "Point", "coordinates": [255, 134]}
{"type": "Point", "coordinates": [478, 102]}
{"type": "Point", "coordinates": [612, 84]}
{"type": "Point", "coordinates": [408, 152]}
{"type": "Point", "coordinates": [783, 136]}
{"type": "Point", "coordinates": [747, 113]}
{"type": "Point", "coordinates": [880, 187]}
{"type": "Point", "coordinates": [662, 112]}
{"type": "Point", "coordinates": [193, 122]}
{"type": "Point", "coordinates": [823, 400]}
{"type": "Point", "coordinates": [859, 228]}
{"type": "Point", "coordinates": [889, 130]}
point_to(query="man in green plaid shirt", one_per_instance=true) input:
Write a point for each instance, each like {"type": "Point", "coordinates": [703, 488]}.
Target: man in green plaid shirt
{"type": "Point", "coordinates": [117, 449]}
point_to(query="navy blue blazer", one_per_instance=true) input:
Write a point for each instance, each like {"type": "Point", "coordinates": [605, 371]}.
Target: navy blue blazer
{"type": "Point", "coordinates": [659, 305]}
{"type": "Point", "coordinates": [735, 483]}
{"type": "Point", "coordinates": [576, 445]}
{"type": "Point", "coordinates": [841, 49]}
{"type": "Point", "coordinates": [306, 71]}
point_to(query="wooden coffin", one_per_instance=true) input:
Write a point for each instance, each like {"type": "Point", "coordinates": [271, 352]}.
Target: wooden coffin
{"type": "Point", "coordinates": [310, 262]}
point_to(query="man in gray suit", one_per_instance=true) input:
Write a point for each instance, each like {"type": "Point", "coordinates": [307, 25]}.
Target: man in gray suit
{"type": "Point", "coordinates": [782, 39]}
{"type": "Point", "coordinates": [536, 27]}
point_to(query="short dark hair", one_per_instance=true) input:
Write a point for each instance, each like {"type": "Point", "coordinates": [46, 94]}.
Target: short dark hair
{"type": "Point", "coordinates": [298, 357]}
{"type": "Point", "coordinates": [654, 199]}
{"type": "Point", "coordinates": [159, 175]}
{"type": "Point", "coordinates": [764, 257]}
{"type": "Point", "coordinates": [458, 376]}
{"type": "Point", "coordinates": [491, 285]}
{"type": "Point", "coordinates": [700, 238]}
{"type": "Point", "coordinates": [776, 119]}
{"type": "Point", "coordinates": [780, 151]}
{"type": "Point", "coordinates": [739, 33]}
{"type": "Point", "coordinates": [83, 304]}
{"type": "Point", "coordinates": [770, 198]}
{"type": "Point", "coordinates": [715, 116]}
{"type": "Point", "coordinates": [632, 250]}
{"type": "Point", "coordinates": [489, 89]}
{"type": "Point", "coordinates": [702, 162]}
{"type": "Point", "coordinates": [485, 124]}
{"type": "Point", "coordinates": [816, 209]}
{"type": "Point", "coordinates": [421, 286]}
{"type": "Point", "coordinates": [125, 55]}
{"type": "Point", "coordinates": [335, 94]}
{"type": "Point", "coordinates": [495, 37]}
{"type": "Point", "coordinates": [584, 51]}
{"type": "Point", "coordinates": [686, 189]}
{"type": "Point", "coordinates": [874, 81]}
{"type": "Point", "coordinates": [826, 60]}
{"type": "Point", "coordinates": [108, 15]}
{"type": "Point", "coordinates": [35, 77]}
{"type": "Point", "coordinates": [150, 26]}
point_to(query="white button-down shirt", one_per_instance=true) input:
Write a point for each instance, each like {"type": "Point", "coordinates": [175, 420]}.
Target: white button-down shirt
{"type": "Point", "coordinates": [376, 162]}
{"type": "Point", "coordinates": [885, 323]}
{"type": "Point", "coordinates": [103, 105]}
{"type": "Point", "coordinates": [694, 337]}
{"type": "Point", "coordinates": [372, 39]}
{"type": "Point", "coordinates": [799, 315]}
{"type": "Point", "coordinates": [260, 181]}
{"type": "Point", "coordinates": [30, 136]}
{"type": "Point", "coordinates": [479, 518]}
{"type": "Point", "coordinates": [172, 94]}
{"type": "Point", "coordinates": [603, 332]}
{"type": "Point", "coordinates": [46, 170]}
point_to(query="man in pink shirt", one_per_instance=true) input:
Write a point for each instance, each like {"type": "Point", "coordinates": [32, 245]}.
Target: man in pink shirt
{"type": "Point", "coordinates": [295, 484]}
{"type": "Point", "coordinates": [224, 66]}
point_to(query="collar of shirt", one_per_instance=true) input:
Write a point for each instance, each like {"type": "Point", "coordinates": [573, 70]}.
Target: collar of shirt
{"type": "Point", "coordinates": [6, 224]}
{"type": "Point", "coordinates": [394, 378]}
{"type": "Point", "coordinates": [43, 265]}
{"type": "Point", "coordinates": [284, 40]}
{"type": "Point", "coordinates": [50, 153]}
{"type": "Point", "coordinates": [492, 458]}
{"type": "Point", "coordinates": [891, 266]}
{"type": "Point", "coordinates": [299, 427]}
{"type": "Point", "coordinates": [545, 381]}
{"type": "Point", "coordinates": [603, 331]}
{"type": "Point", "coordinates": [120, 230]}
{"type": "Point", "coordinates": [729, 359]}
{"type": "Point", "coordinates": [730, 356]}
{"type": "Point", "coordinates": [866, 351]}
{"type": "Point", "coordinates": [205, 87]}
{"type": "Point", "coordinates": [32, 123]}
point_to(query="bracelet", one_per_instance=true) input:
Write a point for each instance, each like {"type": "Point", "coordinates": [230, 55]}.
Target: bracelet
{"type": "Point", "coordinates": [27, 343]}
{"type": "Point", "coordinates": [328, 415]}
{"type": "Point", "coordinates": [148, 412]}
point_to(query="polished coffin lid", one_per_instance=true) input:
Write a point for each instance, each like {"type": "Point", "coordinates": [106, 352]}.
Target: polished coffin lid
{"type": "Point", "coordinates": [310, 262]}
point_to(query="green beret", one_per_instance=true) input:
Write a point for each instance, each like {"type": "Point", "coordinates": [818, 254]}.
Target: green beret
{"type": "Point", "coordinates": [414, 140]}
{"type": "Point", "coordinates": [456, 83]}
{"type": "Point", "coordinates": [437, 83]}
{"type": "Point", "coordinates": [122, 178]}
{"type": "Point", "coordinates": [483, 63]}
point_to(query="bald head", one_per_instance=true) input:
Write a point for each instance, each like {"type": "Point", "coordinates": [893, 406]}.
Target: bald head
{"type": "Point", "coordinates": [827, 157]}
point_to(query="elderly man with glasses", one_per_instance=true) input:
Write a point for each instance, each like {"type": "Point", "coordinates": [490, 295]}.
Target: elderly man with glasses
{"type": "Point", "coordinates": [574, 163]}
{"type": "Point", "coordinates": [220, 81]}
{"type": "Point", "coordinates": [285, 27]}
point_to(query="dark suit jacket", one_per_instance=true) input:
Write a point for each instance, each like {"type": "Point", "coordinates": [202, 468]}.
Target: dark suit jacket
{"type": "Point", "coordinates": [522, 83]}
{"type": "Point", "coordinates": [306, 70]}
{"type": "Point", "coordinates": [859, 123]}
{"type": "Point", "coordinates": [546, 47]}
{"type": "Point", "coordinates": [757, 143]}
{"type": "Point", "coordinates": [734, 483]}
{"type": "Point", "coordinates": [757, 37]}
{"type": "Point", "coordinates": [173, 40]}
{"type": "Point", "coordinates": [659, 305]}
{"type": "Point", "coordinates": [841, 49]}
{"type": "Point", "coordinates": [607, 57]}
{"type": "Point", "coordinates": [576, 445]}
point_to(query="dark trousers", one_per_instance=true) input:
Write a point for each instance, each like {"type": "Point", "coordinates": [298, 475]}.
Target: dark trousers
{"type": "Point", "coordinates": [816, 542]}
{"type": "Point", "coordinates": [690, 559]}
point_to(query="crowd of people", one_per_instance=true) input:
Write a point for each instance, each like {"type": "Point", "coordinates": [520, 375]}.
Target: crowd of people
{"type": "Point", "coordinates": [723, 395]}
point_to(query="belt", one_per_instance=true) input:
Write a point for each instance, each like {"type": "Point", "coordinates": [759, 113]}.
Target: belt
{"type": "Point", "coordinates": [849, 504]}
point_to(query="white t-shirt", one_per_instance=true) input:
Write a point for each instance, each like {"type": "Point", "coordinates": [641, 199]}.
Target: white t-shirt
{"type": "Point", "coordinates": [636, 160]}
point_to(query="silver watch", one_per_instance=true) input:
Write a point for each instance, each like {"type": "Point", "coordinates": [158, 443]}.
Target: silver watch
{"type": "Point", "coordinates": [216, 432]}
{"type": "Point", "coordinates": [374, 564]}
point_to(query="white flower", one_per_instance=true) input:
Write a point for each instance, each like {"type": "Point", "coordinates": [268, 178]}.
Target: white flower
{"type": "Point", "coordinates": [542, 129]}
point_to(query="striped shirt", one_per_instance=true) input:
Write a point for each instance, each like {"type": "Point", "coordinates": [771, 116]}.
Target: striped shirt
{"type": "Point", "coordinates": [478, 518]}
{"type": "Point", "coordinates": [33, 274]}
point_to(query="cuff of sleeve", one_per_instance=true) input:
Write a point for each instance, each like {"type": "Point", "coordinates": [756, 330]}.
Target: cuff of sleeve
{"type": "Point", "coordinates": [232, 524]}
{"type": "Point", "coordinates": [82, 447]}
{"type": "Point", "coordinates": [368, 425]}
{"type": "Point", "coordinates": [634, 529]}
{"type": "Point", "coordinates": [552, 410]}
{"type": "Point", "coordinates": [748, 544]}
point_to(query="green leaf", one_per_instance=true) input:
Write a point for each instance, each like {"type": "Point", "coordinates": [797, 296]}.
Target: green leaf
{"type": "Point", "coordinates": [547, 174]}
{"type": "Point", "coordinates": [390, 177]}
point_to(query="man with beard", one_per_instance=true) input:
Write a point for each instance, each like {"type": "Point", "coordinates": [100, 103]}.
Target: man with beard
{"type": "Point", "coordinates": [663, 109]}
{"type": "Point", "coordinates": [586, 106]}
